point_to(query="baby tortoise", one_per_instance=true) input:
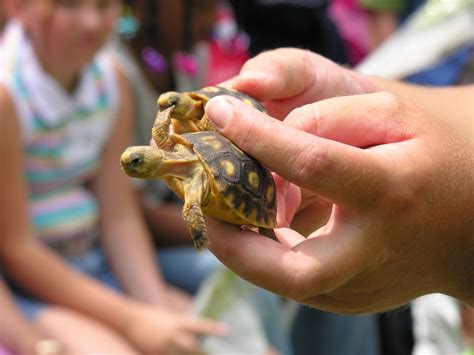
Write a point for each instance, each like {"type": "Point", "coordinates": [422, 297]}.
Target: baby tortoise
{"type": "Point", "coordinates": [211, 175]}
{"type": "Point", "coordinates": [188, 113]}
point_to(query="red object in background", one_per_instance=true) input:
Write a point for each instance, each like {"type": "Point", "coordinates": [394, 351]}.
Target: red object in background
{"type": "Point", "coordinates": [225, 61]}
{"type": "Point", "coordinates": [351, 22]}
{"type": "Point", "coordinates": [228, 49]}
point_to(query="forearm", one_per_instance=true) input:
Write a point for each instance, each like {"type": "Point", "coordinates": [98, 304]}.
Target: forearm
{"type": "Point", "coordinates": [46, 276]}
{"type": "Point", "coordinates": [131, 254]}
{"type": "Point", "coordinates": [453, 105]}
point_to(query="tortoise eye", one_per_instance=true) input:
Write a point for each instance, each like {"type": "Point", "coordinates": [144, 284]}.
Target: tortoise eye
{"type": "Point", "coordinates": [136, 161]}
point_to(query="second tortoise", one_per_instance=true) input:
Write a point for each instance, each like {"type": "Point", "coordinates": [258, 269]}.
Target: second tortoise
{"type": "Point", "coordinates": [210, 174]}
{"type": "Point", "coordinates": [188, 113]}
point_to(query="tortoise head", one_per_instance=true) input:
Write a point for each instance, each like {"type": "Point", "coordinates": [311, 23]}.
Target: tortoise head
{"type": "Point", "coordinates": [142, 162]}
{"type": "Point", "coordinates": [184, 105]}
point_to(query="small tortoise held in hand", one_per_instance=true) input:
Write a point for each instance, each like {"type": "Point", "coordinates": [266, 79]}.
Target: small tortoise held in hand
{"type": "Point", "coordinates": [188, 113]}
{"type": "Point", "coordinates": [211, 175]}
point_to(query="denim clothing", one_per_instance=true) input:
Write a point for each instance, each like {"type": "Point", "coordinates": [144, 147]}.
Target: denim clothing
{"type": "Point", "coordinates": [181, 267]}
{"type": "Point", "coordinates": [316, 332]}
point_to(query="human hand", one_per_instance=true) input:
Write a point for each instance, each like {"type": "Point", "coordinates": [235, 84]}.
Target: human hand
{"type": "Point", "coordinates": [155, 330]}
{"type": "Point", "coordinates": [286, 78]}
{"type": "Point", "coordinates": [399, 188]}
{"type": "Point", "coordinates": [176, 299]}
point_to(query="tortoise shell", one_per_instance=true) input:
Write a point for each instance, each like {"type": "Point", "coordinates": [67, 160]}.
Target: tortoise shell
{"type": "Point", "coordinates": [209, 92]}
{"type": "Point", "coordinates": [188, 113]}
{"type": "Point", "coordinates": [242, 190]}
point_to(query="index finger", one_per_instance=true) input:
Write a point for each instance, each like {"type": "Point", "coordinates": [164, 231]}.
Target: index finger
{"type": "Point", "coordinates": [286, 78]}
{"type": "Point", "coordinates": [276, 74]}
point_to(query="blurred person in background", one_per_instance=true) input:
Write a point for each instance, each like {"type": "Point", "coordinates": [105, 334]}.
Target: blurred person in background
{"type": "Point", "coordinates": [74, 246]}
{"type": "Point", "coordinates": [385, 16]}
{"type": "Point", "coordinates": [302, 23]}
{"type": "Point", "coordinates": [365, 24]}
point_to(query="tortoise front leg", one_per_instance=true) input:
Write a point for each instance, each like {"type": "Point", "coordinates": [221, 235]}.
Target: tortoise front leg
{"type": "Point", "coordinates": [194, 190]}
{"type": "Point", "coordinates": [161, 130]}
{"type": "Point", "coordinates": [205, 124]}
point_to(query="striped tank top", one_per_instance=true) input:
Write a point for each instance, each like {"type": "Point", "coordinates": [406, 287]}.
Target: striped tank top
{"type": "Point", "coordinates": [63, 135]}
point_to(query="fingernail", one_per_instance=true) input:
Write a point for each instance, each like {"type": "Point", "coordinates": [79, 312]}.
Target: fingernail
{"type": "Point", "coordinates": [254, 75]}
{"type": "Point", "coordinates": [220, 111]}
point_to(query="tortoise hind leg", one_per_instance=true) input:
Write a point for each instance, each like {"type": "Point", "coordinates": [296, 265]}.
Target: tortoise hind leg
{"type": "Point", "coordinates": [194, 190]}
{"type": "Point", "coordinates": [194, 218]}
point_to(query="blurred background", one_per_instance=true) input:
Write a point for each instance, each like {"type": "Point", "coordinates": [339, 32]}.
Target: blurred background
{"type": "Point", "coordinates": [184, 45]}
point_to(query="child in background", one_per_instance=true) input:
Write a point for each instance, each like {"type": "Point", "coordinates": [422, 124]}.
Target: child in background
{"type": "Point", "coordinates": [66, 118]}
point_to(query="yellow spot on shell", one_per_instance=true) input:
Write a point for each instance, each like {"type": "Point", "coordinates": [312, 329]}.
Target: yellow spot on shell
{"type": "Point", "coordinates": [253, 180]}
{"type": "Point", "coordinates": [248, 102]}
{"type": "Point", "coordinates": [212, 142]}
{"type": "Point", "coordinates": [228, 166]}
{"type": "Point", "coordinates": [270, 193]}
{"type": "Point", "coordinates": [211, 89]}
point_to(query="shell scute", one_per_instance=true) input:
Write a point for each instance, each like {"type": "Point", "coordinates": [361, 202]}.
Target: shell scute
{"type": "Point", "coordinates": [243, 182]}
{"type": "Point", "coordinates": [212, 91]}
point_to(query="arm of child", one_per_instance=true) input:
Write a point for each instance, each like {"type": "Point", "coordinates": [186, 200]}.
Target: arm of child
{"type": "Point", "coordinates": [125, 236]}
{"type": "Point", "coordinates": [45, 275]}
{"type": "Point", "coordinates": [30, 263]}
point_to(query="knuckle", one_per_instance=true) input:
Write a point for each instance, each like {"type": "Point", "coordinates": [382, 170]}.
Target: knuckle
{"type": "Point", "coordinates": [308, 281]}
{"type": "Point", "coordinates": [303, 288]}
{"type": "Point", "coordinates": [390, 102]}
{"type": "Point", "coordinates": [306, 118]}
{"type": "Point", "coordinates": [313, 164]}
{"type": "Point", "coordinates": [298, 286]}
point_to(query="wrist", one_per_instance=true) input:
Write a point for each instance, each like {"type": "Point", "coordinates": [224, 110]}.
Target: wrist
{"type": "Point", "coordinates": [132, 315]}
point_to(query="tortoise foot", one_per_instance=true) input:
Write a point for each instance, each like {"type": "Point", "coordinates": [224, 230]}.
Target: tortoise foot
{"type": "Point", "coordinates": [200, 242]}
